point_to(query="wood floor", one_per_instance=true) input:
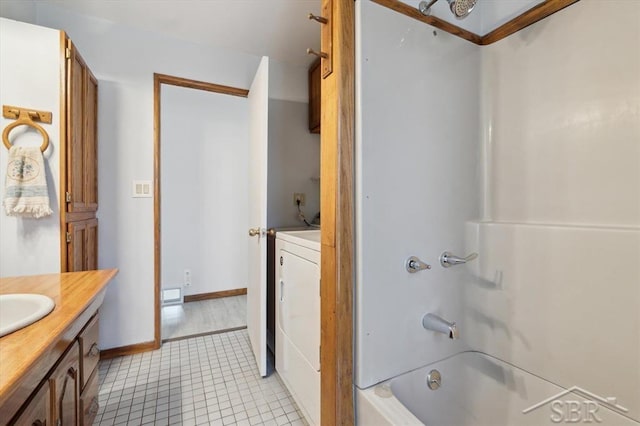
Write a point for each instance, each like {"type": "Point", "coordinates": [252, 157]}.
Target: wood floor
{"type": "Point", "coordinates": [205, 316]}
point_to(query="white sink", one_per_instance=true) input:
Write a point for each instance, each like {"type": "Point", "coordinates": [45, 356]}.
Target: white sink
{"type": "Point", "coordinates": [20, 310]}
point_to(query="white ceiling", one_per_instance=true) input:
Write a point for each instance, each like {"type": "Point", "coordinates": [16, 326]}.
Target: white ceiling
{"type": "Point", "coordinates": [276, 28]}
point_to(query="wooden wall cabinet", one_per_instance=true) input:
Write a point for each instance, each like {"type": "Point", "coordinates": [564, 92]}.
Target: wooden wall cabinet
{"type": "Point", "coordinates": [80, 164]}
{"type": "Point", "coordinates": [315, 78]}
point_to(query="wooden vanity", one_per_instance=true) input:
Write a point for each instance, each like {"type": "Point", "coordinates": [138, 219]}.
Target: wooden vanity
{"type": "Point", "coordinates": [48, 370]}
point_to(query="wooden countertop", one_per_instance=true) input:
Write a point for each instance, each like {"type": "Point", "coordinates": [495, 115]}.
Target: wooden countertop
{"type": "Point", "coordinates": [26, 355]}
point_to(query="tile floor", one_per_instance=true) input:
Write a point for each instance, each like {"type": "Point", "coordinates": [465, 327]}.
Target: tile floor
{"type": "Point", "coordinates": [204, 316]}
{"type": "Point", "coordinates": [206, 380]}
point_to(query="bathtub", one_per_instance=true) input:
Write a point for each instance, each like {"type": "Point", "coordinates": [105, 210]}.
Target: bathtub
{"type": "Point", "coordinates": [479, 390]}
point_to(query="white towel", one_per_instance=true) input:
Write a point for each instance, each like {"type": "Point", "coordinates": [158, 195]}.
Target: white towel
{"type": "Point", "coordinates": [25, 192]}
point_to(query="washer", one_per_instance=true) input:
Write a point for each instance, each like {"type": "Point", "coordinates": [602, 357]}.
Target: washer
{"type": "Point", "coordinates": [298, 318]}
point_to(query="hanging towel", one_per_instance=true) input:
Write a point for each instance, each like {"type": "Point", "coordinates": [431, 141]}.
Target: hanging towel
{"type": "Point", "coordinates": [25, 192]}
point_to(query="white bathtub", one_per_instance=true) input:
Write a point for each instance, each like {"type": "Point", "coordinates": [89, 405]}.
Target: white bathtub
{"type": "Point", "coordinates": [478, 390]}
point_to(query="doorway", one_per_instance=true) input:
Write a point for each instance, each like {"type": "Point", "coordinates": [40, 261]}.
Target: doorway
{"type": "Point", "coordinates": [200, 205]}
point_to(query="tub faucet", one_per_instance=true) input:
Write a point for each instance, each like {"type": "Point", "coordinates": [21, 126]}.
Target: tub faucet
{"type": "Point", "coordinates": [435, 323]}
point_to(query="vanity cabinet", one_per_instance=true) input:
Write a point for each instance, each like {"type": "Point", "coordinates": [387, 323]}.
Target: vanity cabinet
{"type": "Point", "coordinates": [79, 177]}
{"type": "Point", "coordinates": [64, 383]}
{"type": "Point", "coordinates": [68, 396]}
{"type": "Point", "coordinates": [37, 412]}
{"type": "Point", "coordinates": [315, 79]}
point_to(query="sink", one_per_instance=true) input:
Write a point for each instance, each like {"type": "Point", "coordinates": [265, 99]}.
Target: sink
{"type": "Point", "coordinates": [20, 310]}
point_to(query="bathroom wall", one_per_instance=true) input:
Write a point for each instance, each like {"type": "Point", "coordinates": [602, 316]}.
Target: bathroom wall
{"type": "Point", "coordinates": [555, 289]}
{"type": "Point", "coordinates": [559, 242]}
{"type": "Point", "coordinates": [417, 158]}
{"type": "Point", "coordinates": [294, 164]}
{"type": "Point", "coordinates": [30, 77]}
{"type": "Point", "coordinates": [124, 60]}
{"type": "Point", "coordinates": [204, 199]}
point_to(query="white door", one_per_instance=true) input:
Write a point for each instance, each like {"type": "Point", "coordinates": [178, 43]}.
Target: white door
{"type": "Point", "coordinates": [257, 262]}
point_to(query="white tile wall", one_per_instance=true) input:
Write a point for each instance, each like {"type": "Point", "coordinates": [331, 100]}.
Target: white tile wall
{"type": "Point", "coordinates": [207, 380]}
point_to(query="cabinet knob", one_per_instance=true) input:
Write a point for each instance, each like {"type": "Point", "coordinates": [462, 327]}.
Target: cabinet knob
{"type": "Point", "coordinates": [94, 350]}
{"type": "Point", "coordinates": [39, 423]}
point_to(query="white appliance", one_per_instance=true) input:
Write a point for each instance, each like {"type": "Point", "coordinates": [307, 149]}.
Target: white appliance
{"type": "Point", "coordinates": [298, 318]}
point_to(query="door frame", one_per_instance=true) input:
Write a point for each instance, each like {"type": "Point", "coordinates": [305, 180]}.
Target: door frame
{"type": "Point", "coordinates": [158, 81]}
{"type": "Point", "coordinates": [337, 210]}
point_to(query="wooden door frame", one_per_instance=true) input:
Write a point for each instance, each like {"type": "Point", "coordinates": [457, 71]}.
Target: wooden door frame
{"type": "Point", "coordinates": [337, 201]}
{"type": "Point", "coordinates": [158, 81]}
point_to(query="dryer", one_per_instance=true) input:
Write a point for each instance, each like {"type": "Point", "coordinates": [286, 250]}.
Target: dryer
{"type": "Point", "coordinates": [298, 318]}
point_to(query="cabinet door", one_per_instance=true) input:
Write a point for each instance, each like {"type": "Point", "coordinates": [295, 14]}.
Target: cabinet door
{"type": "Point", "coordinates": [82, 108]}
{"type": "Point", "coordinates": [65, 387]}
{"type": "Point", "coordinates": [315, 78]}
{"type": "Point", "coordinates": [82, 245]}
{"type": "Point", "coordinates": [37, 412]}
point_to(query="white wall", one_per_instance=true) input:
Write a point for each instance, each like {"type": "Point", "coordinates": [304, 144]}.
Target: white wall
{"type": "Point", "coordinates": [124, 60]}
{"type": "Point", "coordinates": [19, 10]}
{"type": "Point", "coordinates": [30, 77]}
{"type": "Point", "coordinates": [554, 290]}
{"type": "Point", "coordinates": [204, 189]}
{"type": "Point", "coordinates": [417, 160]}
{"type": "Point", "coordinates": [560, 239]}
{"type": "Point", "coordinates": [294, 164]}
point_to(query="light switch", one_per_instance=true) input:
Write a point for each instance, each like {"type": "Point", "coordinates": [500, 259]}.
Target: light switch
{"type": "Point", "coordinates": [142, 189]}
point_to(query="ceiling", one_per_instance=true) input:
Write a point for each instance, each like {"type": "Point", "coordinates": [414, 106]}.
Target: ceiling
{"type": "Point", "coordinates": [275, 28]}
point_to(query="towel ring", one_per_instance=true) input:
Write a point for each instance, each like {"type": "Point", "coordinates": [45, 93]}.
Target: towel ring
{"type": "Point", "coordinates": [25, 120]}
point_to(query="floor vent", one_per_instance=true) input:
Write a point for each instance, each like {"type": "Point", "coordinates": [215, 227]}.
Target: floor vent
{"type": "Point", "coordinates": [172, 296]}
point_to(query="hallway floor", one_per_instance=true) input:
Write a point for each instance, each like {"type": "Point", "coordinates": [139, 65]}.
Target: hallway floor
{"type": "Point", "coordinates": [204, 316]}
{"type": "Point", "coordinates": [206, 380]}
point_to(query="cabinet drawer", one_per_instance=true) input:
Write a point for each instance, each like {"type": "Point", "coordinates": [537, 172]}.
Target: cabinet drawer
{"type": "Point", "coordinates": [36, 412]}
{"type": "Point", "coordinates": [89, 400]}
{"type": "Point", "coordinates": [90, 354]}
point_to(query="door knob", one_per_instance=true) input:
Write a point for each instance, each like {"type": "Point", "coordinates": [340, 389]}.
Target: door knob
{"type": "Point", "coordinates": [254, 231]}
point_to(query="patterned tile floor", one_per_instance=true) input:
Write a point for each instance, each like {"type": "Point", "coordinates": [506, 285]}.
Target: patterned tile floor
{"type": "Point", "coordinates": [207, 380]}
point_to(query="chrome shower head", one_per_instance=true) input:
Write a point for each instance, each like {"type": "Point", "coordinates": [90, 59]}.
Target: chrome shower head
{"type": "Point", "coordinates": [459, 8]}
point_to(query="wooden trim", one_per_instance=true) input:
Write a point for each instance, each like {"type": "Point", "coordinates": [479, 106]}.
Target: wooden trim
{"type": "Point", "coordinates": [215, 295]}
{"type": "Point", "coordinates": [414, 13]}
{"type": "Point", "coordinates": [158, 80]}
{"type": "Point", "coordinates": [201, 85]}
{"type": "Point", "coordinates": [531, 16]}
{"type": "Point", "coordinates": [157, 238]}
{"type": "Point", "coordinates": [62, 152]}
{"type": "Point", "coordinates": [337, 232]}
{"type": "Point", "coordinates": [127, 350]}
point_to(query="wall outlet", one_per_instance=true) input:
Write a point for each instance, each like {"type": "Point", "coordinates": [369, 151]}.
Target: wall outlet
{"type": "Point", "coordinates": [298, 196]}
{"type": "Point", "coordinates": [187, 277]}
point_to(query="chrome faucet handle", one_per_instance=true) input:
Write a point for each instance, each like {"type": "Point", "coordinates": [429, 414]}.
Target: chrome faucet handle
{"type": "Point", "coordinates": [449, 259]}
{"type": "Point", "coordinates": [413, 264]}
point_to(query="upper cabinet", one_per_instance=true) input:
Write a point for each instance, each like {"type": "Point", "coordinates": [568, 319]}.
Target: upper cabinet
{"type": "Point", "coordinates": [82, 121]}
{"type": "Point", "coordinates": [79, 176]}
{"type": "Point", "coordinates": [315, 78]}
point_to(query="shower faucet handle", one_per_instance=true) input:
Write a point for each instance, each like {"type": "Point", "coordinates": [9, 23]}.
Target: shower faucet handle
{"type": "Point", "coordinates": [413, 264]}
{"type": "Point", "coordinates": [449, 259]}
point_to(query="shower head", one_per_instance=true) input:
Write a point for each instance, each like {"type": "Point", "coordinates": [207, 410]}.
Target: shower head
{"type": "Point", "coordinates": [459, 8]}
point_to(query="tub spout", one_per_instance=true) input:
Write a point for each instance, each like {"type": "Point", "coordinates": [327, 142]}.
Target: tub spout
{"type": "Point", "coordinates": [435, 323]}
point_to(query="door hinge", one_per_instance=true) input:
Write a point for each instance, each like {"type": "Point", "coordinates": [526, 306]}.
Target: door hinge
{"type": "Point", "coordinates": [67, 53]}
{"type": "Point", "coordinates": [68, 196]}
{"type": "Point", "coordinates": [68, 237]}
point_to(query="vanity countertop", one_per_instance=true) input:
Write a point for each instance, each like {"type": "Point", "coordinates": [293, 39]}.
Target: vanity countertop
{"type": "Point", "coordinates": [27, 354]}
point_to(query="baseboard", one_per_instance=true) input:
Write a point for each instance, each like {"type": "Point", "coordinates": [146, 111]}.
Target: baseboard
{"type": "Point", "coordinates": [215, 295]}
{"type": "Point", "coordinates": [128, 350]}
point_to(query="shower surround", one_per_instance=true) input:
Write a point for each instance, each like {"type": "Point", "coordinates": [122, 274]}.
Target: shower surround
{"type": "Point", "coordinates": [526, 152]}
